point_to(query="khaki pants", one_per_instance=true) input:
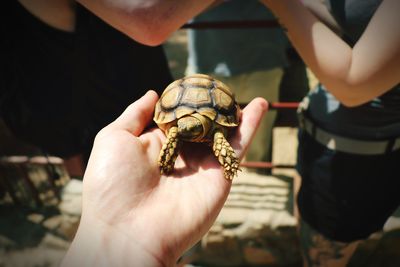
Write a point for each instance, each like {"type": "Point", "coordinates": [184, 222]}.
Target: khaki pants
{"type": "Point", "coordinates": [246, 87]}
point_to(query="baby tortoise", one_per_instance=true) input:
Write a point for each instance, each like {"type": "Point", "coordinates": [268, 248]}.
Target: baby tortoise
{"type": "Point", "coordinates": [197, 108]}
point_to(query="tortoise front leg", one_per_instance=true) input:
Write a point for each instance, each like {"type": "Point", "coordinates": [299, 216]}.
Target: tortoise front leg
{"type": "Point", "coordinates": [225, 155]}
{"type": "Point", "coordinates": [169, 151]}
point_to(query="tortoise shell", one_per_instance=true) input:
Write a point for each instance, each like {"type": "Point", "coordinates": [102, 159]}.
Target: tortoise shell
{"type": "Point", "coordinates": [197, 93]}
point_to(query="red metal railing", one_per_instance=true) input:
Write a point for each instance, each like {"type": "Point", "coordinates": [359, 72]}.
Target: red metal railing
{"type": "Point", "coordinates": [269, 165]}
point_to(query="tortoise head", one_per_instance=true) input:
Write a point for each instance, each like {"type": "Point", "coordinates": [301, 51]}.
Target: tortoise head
{"type": "Point", "coordinates": [193, 127]}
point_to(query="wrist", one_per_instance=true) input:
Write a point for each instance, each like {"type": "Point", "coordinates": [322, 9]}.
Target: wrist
{"type": "Point", "coordinates": [101, 245]}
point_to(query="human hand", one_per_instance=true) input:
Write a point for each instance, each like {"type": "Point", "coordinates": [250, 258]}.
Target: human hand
{"type": "Point", "coordinates": [133, 215]}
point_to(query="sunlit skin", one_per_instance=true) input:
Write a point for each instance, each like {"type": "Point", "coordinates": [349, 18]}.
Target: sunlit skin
{"type": "Point", "coordinates": [131, 213]}
{"type": "Point", "coordinates": [354, 75]}
{"type": "Point", "coordinates": [147, 21]}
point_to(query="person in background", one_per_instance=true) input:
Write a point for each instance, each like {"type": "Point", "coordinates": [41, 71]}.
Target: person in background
{"type": "Point", "coordinates": [65, 74]}
{"type": "Point", "coordinates": [132, 215]}
{"type": "Point", "coordinates": [251, 61]}
{"type": "Point", "coordinates": [349, 141]}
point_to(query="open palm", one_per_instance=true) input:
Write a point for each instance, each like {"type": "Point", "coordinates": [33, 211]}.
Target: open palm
{"type": "Point", "coordinates": [164, 215]}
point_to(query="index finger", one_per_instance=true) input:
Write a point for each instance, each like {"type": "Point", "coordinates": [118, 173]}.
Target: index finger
{"type": "Point", "coordinates": [251, 117]}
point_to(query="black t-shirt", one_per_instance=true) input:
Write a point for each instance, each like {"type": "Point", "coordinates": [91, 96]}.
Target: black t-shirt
{"type": "Point", "coordinates": [58, 89]}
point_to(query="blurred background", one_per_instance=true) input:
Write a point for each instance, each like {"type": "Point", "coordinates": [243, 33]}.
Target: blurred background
{"type": "Point", "coordinates": [40, 201]}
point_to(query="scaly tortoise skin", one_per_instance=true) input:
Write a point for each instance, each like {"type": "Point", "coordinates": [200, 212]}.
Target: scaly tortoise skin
{"type": "Point", "coordinates": [197, 108]}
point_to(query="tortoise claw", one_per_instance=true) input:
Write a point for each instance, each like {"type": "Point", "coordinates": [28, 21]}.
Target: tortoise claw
{"type": "Point", "coordinates": [226, 155]}
{"type": "Point", "coordinates": [169, 151]}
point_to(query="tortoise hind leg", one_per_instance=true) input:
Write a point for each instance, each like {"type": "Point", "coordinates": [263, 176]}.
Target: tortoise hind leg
{"type": "Point", "coordinates": [169, 151]}
{"type": "Point", "coordinates": [225, 155]}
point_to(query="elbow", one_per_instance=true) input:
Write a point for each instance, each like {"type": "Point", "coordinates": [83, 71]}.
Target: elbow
{"type": "Point", "coordinates": [351, 95]}
{"type": "Point", "coordinates": [157, 35]}
{"type": "Point", "coordinates": [150, 36]}
{"type": "Point", "coordinates": [147, 32]}
{"type": "Point", "coordinates": [148, 24]}
{"type": "Point", "coordinates": [140, 20]}
{"type": "Point", "coordinates": [351, 91]}
{"type": "Point", "coordinates": [155, 40]}
{"type": "Point", "coordinates": [352, 102]}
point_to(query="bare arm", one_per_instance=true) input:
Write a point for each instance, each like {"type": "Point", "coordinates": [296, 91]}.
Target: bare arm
{"type": "Point", "coordinates": [147, 21]}
{"type": "Point", "coordinates": [353, 75]}
{"type": "Point", "coordinates": [320, 10]}
{"type": "Point", "coordinates": [59, 14]}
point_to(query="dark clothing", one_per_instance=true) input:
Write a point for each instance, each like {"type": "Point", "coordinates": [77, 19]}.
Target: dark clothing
{"type": "Point", "coordinates": [353, 16]}
{"type": "Point", "coordinates": [344, 196]}
{"type": "Point", "coordinates": [58, 89]}
{"type": "Point", "coordinates": [348, 196]}
{"type": "Point", "coordinates": [377, 119]}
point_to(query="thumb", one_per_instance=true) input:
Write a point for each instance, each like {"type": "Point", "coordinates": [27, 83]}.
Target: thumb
{"type": "Point", "coordinates": [137, 115]}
